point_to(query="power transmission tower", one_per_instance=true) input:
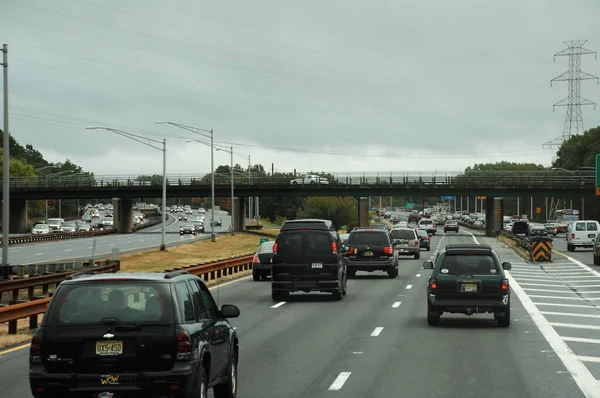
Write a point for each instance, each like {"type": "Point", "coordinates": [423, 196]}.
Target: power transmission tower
{"type": "Point", "coordinates": [573, 101]}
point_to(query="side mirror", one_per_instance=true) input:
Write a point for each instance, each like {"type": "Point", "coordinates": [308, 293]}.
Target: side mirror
{"type": "Point", "coordinates": [346, 248]}
{"type": "Point", "coordinates": [428, 265]}
{"type": "Point", "coordinates": [506, 266]}
{"type": "Point", "coordinates": [230, 311]}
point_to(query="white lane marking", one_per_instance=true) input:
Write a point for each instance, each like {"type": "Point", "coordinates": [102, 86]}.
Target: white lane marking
{"type": "Point", "coordinates": [588, 359]}
{"type": "Point", "coordinates": [418, 275]}
{"type": "Point", "coordinates": [581, 340]}
{"type": "Point", "coordinates": [358, 352]}
{"type": "Point", "coordinates": [377, 331]}
{"type": "Point", "coordinates": [408, 287]}
{"type": "Point", "coordinates": [567, 305]}
{"type": "Point", "coordinates": [38, 254]}
{"type": "Point", "coordinates": [549, 291]}
{"type": "Point", "coordinates": [473, 236]}
{"type": "Point", "coordinates": [570, 314]}
{"type": "Point", "coordinates": [592, 292]}
{"type": "Point", "coordinates": [397, 304]}
{"type": "Point", "coordinates": [535, 279]}
{"type": "Point", "coordinates": [278, 304]}
{"type": "Point", "coordinates": [558, 284]}
{"type": "Point", "coordinates": [68, 250]}
{"type": "Point", "coordinates": [574, 326]}
{"type": "Point", "coordinates": [592, 278]}
{"type": "Point", "coordinates": [589, 386]}
{"type": "Point", "coordinates": [557, 297]}
{"type": "Point", "coordinates": [91, 247]}
{"type": "Point", "coordinates": [582, 286]}
{"type": "Point", "coordinates": [128, 242]}
{"type": "Point", "coordinates": [112, 244]}
{"type": "Point", "coordinates": [339, 381]}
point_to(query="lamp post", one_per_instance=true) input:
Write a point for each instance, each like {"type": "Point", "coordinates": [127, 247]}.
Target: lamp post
{"type": "Point", "coordinates": [198, 130]}
{"type": "Point", "coordinates": [232, 207]}
{"type": "Point", "coordinates": [146, 141]}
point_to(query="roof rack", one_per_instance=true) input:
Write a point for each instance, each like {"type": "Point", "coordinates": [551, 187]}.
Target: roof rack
{"type": "Point", "coordinates": [78, 275]}
{"type": "Point", "coordinates": [173, 274]}
{"type": "Point", "coordinates": [458, 246]}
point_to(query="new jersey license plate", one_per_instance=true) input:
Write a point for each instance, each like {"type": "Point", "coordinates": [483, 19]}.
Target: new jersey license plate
{"type": "Point", "coordinates": [469, 287]}
{"type": "Point", "coordinates": [109, 347]}
{"type": "Point", "coordinates": [317, 265]}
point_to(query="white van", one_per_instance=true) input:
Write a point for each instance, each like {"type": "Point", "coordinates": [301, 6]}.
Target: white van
{"type": "Point", "coordinates": [582, 233]}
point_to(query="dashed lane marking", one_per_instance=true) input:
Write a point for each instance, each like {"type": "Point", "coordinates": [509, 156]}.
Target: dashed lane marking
{"type": "Point", "coordinates": [339, 381]}
{"type": "Point", "coordinates": [377, 331]}
{"type": "Point", "coordinates": [397, 304]}
{"type": "Point", "coordinates": [278, 304]}
{"type": "Point", "coordinates": [408, 287]}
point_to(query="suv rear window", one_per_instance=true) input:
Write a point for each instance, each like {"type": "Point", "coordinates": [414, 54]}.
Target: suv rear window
{"type": "Point", "coordinates": [266, 247]}
{"type": "Point", "coordinates": [366, 238]}
{"type": "Point", "coordinates": [402, 234]}
{"type": "Point", "coordinates": [474, 263]}
{"type": "Point", "coordinates": [295, 247]}
{"type": "Point", "coordinates": [425, 222]}
{"type": "Point", "coordinates": [85, 303]}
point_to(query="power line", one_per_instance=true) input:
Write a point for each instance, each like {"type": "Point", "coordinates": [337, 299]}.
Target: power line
{"type": "Point", "coordinates": [573, 101]}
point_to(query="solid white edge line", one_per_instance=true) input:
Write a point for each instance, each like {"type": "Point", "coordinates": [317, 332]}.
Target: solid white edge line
{"type": "Point", "coordinates": [377, 331]}
{"type": "Point", "coordinates": [339, 381]}
{"type": "Point", "coordinates": [278, 304]}
{"type": "Point", "coordinates": [584, 379]}
{"type": "Point", "coordinates": [397, 304]}
{"type": "Point", "coordinates": [408, 286]}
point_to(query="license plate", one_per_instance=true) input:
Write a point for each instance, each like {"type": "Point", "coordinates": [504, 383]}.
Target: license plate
{"type": "Point", "coordinates": [591, 235]}
{"type": "Point", "coordinates": [469, 287]}
{"type": "Point", "coordinates": [317, 265]}
{"type": "Point", "coordinates": [403, 241]}
{"type": "Point", "coordinates": [109, 348]}
{"type": "Point", "coordinates": [368, 254]}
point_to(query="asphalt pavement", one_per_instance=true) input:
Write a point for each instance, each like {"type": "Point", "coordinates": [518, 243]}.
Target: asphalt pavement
{"type": "Point", "coordinates": [376, 342]}
{"type": "Point", "coordinates": [84, 248]}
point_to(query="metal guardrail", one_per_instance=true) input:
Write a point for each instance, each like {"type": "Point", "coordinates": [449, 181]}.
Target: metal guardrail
{"type": "Point", "coordinates": [37, 305]}
{"type": "Point", "coordinates": [542, 178]}
{"type": "Point", "coordinates": [523, 242]}
{"type": "Point", "coordinates": [24, 239]}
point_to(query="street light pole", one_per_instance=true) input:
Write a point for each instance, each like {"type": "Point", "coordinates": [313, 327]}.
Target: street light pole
{"type": "Point", "coordinates": [232, 223]}
{"type": "Point", "coordinates": [250, 202]}
{"type": "Point", "coordinates": [6, 165]}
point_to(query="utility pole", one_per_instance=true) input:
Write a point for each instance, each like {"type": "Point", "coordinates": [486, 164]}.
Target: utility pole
{"type": "Point", "coordinates": [573, 101]}
{"type": "Point", "coordinates": [6, 169]}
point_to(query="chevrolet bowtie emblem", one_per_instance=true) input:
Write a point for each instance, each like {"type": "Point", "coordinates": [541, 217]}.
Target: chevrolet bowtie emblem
{"type": "Point", "coordinates": [108, 336]}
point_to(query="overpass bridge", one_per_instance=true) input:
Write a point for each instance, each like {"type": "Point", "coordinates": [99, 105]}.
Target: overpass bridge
{"type": "Point", "coordinates": [124, 188]}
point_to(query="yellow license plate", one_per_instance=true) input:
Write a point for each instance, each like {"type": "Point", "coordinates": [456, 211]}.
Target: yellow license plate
{"type": "Point", "coordinates": [368, 254]}
{"type": "Point", "coordinates": [469, 287]}
{"type": "Point", "coordinates": [109, 347]}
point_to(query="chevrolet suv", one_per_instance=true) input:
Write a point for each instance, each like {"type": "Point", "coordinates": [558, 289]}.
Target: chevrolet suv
{"type": "Point", "coordinates": [468, 279]}
{"type": "Point", "coordinates": [371, 250]}
{"type": "Point", "coordinates": [140, 334]}
{"type": "Point", "coordinates": [307, 257]}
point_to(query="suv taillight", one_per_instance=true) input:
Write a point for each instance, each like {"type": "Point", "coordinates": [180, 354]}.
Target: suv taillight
{"type": "Point", "coordinates": [255, 259]}
{"type": "Point", "coordinates": [334, 247]}
{"type": "Point", "coordinates": [433, 285]}
{"type": "Point", "coordinates": [388, 250]}
{"type": "Point", "coordinates": [505, 285]}
{"type": "Point", "coordinates": [275, 247]}
{"type": "Point", "coordinates": [35, 350]}
{"type": "Point", "coordinates": [417, 243]}
{"type": "Point", "coordinates": [184, 346]}
{"type": "Point", "coordinates": [426, 238]}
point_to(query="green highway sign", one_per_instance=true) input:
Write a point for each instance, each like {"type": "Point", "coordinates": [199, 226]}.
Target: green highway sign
{"type": "Point", "coordinates": [597, 170]}
{"type": "Point", "coordinates": [409, 205]}
{"type": "Point", "coordinates": [263, 240]}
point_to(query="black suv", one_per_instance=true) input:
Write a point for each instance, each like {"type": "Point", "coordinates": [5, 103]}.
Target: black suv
{"type": "Point", "coordinates": [468, 279]}
{"type": "Point", "coordinates": [140, 334]}
{"type": "Point", "coordinates": [307, 256]}
{"type": "Point", "coordinates": [371, 250]}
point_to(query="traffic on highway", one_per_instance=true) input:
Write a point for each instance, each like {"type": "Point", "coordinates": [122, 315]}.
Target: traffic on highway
{"type": "Point", "coordinates": [364, 320]}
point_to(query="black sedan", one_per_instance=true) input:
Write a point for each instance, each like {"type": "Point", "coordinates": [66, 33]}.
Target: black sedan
{"type": "Point", "coordinates": [187, 228]}
{"type": "Point", "coordinates": [262, 261]}
{"type": "Point", "coordinates": [424, 241]}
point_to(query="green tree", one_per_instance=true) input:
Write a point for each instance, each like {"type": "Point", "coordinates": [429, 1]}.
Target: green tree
{"type": "Point", "coordinates": [504, 166]}
{"type": "Point", "coordinates": [342, 211]}
{"type": "Point", "coordinates": [17, 167]}
{"type": "Point", "coordinates": [579, 151]}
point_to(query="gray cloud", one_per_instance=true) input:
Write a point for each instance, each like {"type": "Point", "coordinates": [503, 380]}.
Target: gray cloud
{"type": "Point", "coordinates": [428, 85]}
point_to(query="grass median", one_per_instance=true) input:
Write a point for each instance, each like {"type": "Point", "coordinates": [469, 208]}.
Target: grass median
{"type": "Point", "coordinates": [176, 256]}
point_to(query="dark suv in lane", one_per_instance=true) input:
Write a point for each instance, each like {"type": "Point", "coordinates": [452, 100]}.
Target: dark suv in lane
{"type": "Point", "coordinates": [468, 279]}
{"type": "Point", "coordinates": [371, 250]}
{"type": "Point", "coordinates": [307, 257]}
{"type": "Point", "coordinates": [134, 334]}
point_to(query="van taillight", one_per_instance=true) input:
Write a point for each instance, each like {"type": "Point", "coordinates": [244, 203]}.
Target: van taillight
{"type": "Point", "coordinates": [35, 350]}
{"type": "Point", "coordinates": [184, 346]}
{"type": "Point", "coordinates": [388, 250]}
{"type": "Point", "coordinates": [334, 247]}
{"type": "Point", "coordinates": [572, 236]}
{"type": "Point", "coordinates": [255, 259]}
{"type": "Point", "coordinates": [275, 247]}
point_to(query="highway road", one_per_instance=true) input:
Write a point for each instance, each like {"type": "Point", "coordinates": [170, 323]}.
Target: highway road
{"type": "Point", "coordinates": [82, 248]}
{"type": "Point", "coordinates": [376, 342]}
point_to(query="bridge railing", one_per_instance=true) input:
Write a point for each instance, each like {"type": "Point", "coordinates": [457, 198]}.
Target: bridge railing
{"type": "Point", "coordinates": [543, 178]}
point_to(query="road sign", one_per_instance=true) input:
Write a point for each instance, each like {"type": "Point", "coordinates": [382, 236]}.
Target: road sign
{"type": "Point", "coordinates": [263, 240]}
{"type": "Point", "coordinates": [448, 197]}
{"type": "Point", "coordinates": [482, 197]}
{"type": "Point", "coordinates": [409, 205]}
{"type": "Point", "coordinates": [538, 210]}
{"type": "Point", "coordinates": [597, 171]}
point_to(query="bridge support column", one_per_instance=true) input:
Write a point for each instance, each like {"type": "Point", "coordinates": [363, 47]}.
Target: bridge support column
{"type": "Point", "coordinates": [363, 212]}
{"type": "Point", "coordinates": [18, 217]}
{"type": "Point", "coordinates": [123, 215]}
{"type": "Point", "coordinates": [239, 206]}
{"type": "Point", "coordinates": [493, 211]}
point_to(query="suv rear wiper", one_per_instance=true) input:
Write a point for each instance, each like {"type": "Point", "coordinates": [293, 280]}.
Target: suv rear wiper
{"type": "Point", "coordinates": [128, 328]}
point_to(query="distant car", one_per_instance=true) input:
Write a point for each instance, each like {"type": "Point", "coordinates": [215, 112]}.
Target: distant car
{"type": "Point", "coordinates": [182, 217]}
{"type": "Point", "coordinates": [262, 261]}
{"type": "Point", "coordinates": [406, 242]}
{"type": "Point", "coordinates": [537, 230]}
{"type": "Point", "coordinates": [371, 250]}
{"type": "Point", "coordinates": [70, 226]}
{"type": "Point", "coordinates": [424, 241]}
{"type": "Point", "coordinates": [344, 238]}
{"type": "Point", "coordinates": [218, 222]}
{"type": "Point", "coordinates": [187, 228]}
{"type": "Point", "coordinates": [310, 179]}
{"type": "Point", "coordinates": [468, 279]}
{"type": "Point", "coordinates": [428, 225]}
{"type": "Point", "coordinates": [84, 226]}
{"type": "Point", "coordinates": [551, 229]}
{"type": "Point", "coordinates": [597, 251]}
{"type": "Point", "coordinates": [451, 225]}
{"type": "Point", "coordinates": [199, 225]}
{"type": "Point", "coordinates": [41, 229]}
{"type": "Point", "coordinates": [137, 334]}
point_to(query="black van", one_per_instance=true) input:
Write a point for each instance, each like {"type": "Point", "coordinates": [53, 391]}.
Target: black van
{"type": "Point", "coordinates": [308, 257]}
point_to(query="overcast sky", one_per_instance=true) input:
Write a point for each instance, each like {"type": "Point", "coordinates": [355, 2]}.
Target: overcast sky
{"type": "Point", "coordinates": [335, 85]}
